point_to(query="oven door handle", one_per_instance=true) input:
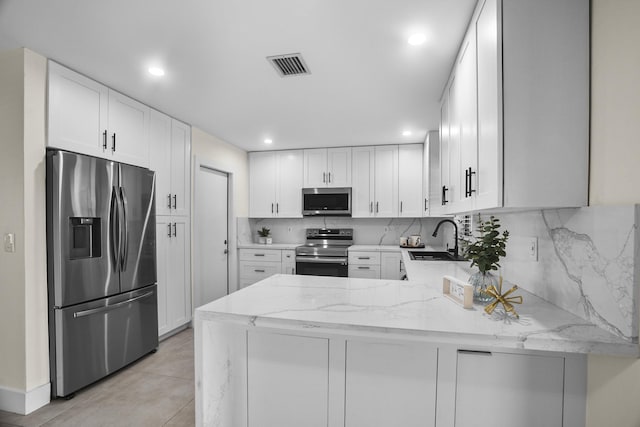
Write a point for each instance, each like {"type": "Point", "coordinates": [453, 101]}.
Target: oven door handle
{"type": "Point", "coordinates": [327, 260]}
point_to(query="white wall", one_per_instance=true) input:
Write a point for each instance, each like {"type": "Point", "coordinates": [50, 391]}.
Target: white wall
{"type": "Point", "coordinates": [23, 288]}
{"type": "Point", "coordinates": [614, 383]}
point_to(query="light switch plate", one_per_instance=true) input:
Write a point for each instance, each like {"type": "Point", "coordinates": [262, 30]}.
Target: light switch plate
{"type": "Point", "coordinates": [9, 242]}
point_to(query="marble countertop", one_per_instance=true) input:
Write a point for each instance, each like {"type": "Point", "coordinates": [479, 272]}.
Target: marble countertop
{"type": "Point", "coordinates": [271, 246]}
{"type": "Point", "coordinates": [414, 309]}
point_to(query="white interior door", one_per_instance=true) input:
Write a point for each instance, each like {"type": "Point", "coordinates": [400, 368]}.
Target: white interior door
{"type": "Point", "coordinates": [211, 236]}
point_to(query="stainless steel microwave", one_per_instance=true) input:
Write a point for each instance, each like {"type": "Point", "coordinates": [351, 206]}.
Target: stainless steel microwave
{"type": "Point", "coordinates": [326, 201]}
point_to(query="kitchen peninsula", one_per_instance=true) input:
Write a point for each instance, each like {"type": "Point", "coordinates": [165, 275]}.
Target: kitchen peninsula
{"type": "Point", "coordinates": [305, 350]}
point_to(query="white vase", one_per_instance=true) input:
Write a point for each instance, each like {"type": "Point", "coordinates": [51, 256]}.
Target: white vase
{"type": "Point", "coordinates": [262, 240]}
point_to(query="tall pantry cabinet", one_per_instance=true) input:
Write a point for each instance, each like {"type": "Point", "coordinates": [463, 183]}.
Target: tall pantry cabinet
{"type": "Point", "coordinates": [169, 157]}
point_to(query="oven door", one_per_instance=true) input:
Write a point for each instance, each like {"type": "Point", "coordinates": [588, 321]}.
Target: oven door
{"type": "Point", "coordinates": [319, 266]}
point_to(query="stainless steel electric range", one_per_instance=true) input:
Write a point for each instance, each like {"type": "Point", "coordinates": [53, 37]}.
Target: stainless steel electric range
{"type": "Point", "coordinates": [325, 252]}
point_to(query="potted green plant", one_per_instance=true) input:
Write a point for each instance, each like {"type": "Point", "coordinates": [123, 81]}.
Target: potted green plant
{"type": "Point", "coordinates": [264, 236]}
{"type": "Point", "coordinates": [485, 253]}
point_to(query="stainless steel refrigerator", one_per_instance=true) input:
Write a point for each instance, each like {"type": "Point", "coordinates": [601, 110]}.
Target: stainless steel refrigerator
{"type": "Point", "coordinates": [101, 268]}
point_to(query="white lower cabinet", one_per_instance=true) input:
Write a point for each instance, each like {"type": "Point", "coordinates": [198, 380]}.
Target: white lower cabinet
{"type": "Point", "coordinates": [523, 390]}
{"type": "Point", "coordinates": [309, 378]}
{"type": "Point", "coordinates": [174, 277]}
{"type": "Point", "coordinates": [288, 380]}
{"type": "Point", "coordinates": [376, 265]}
{"type": "Point", "coordinates": [389, 384]}
{"type": "Point", "coordinates": [258, 264]}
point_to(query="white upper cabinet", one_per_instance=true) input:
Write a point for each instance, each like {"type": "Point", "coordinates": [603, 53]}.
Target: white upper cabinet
{"type": "Point", "coordinates": [410, 180]}
{"type": "Point", "coordinates": [362, 194]}
{"type": "Point", "coordinates": [169, 157]}
{"type": "Point", "coordinates": [128, 130]}
{"type": "Point", "coordinates": [518, 108]}
{"type": "Point", "coordinates": [275, 184]}
{"type": "Point", "coordinates": [431, 174]}
{"type": "Point", "coordinates": [77, 112]}
{"type": "Point", "coordinates": [89, 118]}
{"type": "Point", "coordinates": [327, 167]}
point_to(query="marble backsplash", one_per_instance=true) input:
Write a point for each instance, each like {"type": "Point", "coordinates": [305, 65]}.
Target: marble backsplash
{"type": "Point", "coordinates": [367, 231]}
{"type": "Point", "coordinates": [588, 262]}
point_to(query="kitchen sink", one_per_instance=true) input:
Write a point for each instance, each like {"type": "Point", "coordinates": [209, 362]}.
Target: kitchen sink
{"type": "Point", "coordinates": [434, 256]}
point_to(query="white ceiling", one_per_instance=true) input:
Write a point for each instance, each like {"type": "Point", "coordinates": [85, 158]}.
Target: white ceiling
{"type": "Point", "coordinates": [367, 84]}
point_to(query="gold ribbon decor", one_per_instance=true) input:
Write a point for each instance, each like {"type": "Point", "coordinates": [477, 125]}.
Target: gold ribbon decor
{"type": "Point", "coordinates": [503, 299]}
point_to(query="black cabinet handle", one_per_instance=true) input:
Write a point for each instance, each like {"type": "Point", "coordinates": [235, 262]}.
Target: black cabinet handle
{"type": "Point", "coordinates": [175, 229]}
{"type": "Point", "coordinates": [329, 177]}
{"type": "Point", "coordinates": [444, 195]}
{"type": "Point", "coordinates": [371, 207]}
{"type": "Point", "coordinates": [377, 206]}
{"type": "Point", "coordinates": [425, 204]}
{"type": "Point", "coordinates": [324, 177]}
{"type": "Point", "coordinates": [259, 271]}
{"type": "Point", "coordinates": [271, 207]}
{"type": "Point", "coordinates": [169, 201]}
{"type": "Point", "coordinates": [471, 190]}
{"type": "Point", "coordinates": [169, 229]}
{"type": "Point", "coordinates": [113, 145]}
{"type": "Point", "coordinates": [277, 207]}
{"type": "Point", "coordinates": [175, 201]}
{"type": "Point", "coordinates": [104, 140]}
{"type": "Point", "coordinates": [400, 207]}
{"type": "Point", "coordinates": [466, 183]}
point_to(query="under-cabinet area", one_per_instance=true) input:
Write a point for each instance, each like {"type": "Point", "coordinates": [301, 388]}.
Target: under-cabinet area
{"type": "Point", "coordinates": [289, 379]}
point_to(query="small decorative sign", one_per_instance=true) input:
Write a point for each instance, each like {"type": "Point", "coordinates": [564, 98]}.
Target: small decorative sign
{"type": "Point", "coordinates": [458, 291]}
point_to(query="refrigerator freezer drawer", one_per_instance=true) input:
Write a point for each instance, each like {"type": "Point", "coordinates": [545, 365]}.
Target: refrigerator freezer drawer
{"type": "Point", "coordinates": [94, 339]}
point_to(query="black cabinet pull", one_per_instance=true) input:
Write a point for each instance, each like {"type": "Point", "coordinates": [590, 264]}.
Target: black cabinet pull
{"type": "Point", "coordinates": [466, 183]}
{"type": "Point", "coordinates": [175, 229]}
{"type": "Point", "coordinates": [425, 205]}
{"type": "Point", "coordinates": [259, 271]}
{"type": "Point", "coordinates": [277, 207]}
{"type": "Point", "coordinates": [104, 140]}
{"type": "Point", "coordinates": [175, 201]}
{"type": "Point", "coordinates": [377, 206]}
{"type": "Point", "coordinates": [271, 207]}
{"type": "Point", "coordinates": [400, 207]}
{"type": "Point", "coordinates": [169, 200]}
{"type": "Point", "coordinates": [113, 144]}
{"type": "Point", "coordinates": [444, 195]}
{"type": "Point", "coordinates": [169, 230]}
{"type": "Point", "coordinates": [471, 190]}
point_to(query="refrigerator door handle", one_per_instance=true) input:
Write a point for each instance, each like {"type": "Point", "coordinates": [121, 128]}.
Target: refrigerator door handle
{"type": "Point", "coordinates": [125, 230]}
{"type": "Point", "coordinates": [110, 307]}
{"type": "Point", "coordinates": [115, 231]}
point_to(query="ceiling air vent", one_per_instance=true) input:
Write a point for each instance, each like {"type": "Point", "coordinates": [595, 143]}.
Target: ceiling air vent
{"type": "Point", "coordinates": [289, 65]}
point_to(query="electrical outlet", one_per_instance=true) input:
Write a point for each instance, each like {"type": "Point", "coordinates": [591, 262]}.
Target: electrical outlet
{"type": "Point", "coordinates": [289, 229]}
{"type": "Point", "coordinates": [9, 242]}
{"type": "Point", "coordinates": [532, 248]}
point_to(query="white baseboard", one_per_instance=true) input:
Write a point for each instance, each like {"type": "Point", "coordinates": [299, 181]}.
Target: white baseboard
{"type": "Point", "coordinates": [24, 402]}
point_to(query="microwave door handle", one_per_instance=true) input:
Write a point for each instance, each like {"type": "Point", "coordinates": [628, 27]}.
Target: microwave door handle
{"type": "Point", "coordinates": [113, 226]}
{"type": "Point", "coordinates": [125, 230]}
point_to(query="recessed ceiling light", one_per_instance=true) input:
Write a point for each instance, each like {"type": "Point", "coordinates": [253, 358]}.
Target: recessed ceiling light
{"type": "Point", "coordinates": [417, 39]}
{"type": "Point", "coordinates": [406, 133]}
{"type": "Point", "coordinates": [156, 71]}
{"type": "Point", "coordinates": [268, 141]}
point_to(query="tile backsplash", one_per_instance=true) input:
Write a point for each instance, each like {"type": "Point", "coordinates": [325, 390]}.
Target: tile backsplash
{"type": "Point", "coordinates": [367, 231]}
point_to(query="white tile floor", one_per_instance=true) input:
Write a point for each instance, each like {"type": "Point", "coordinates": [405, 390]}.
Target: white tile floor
{"type": "Point", "coordinates": [158, 390]}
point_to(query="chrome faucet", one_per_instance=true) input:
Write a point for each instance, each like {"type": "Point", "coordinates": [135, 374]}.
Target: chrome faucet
{"type": "Point", "coordinates": [435, 234]}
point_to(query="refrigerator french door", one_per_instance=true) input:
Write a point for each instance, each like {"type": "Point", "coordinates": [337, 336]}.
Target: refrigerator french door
{"type": "Point", "coordinates": [101, 267]}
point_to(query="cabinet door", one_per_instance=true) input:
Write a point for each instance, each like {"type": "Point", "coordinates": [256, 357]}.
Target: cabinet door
{"type": "Point", "coordinates": [391, 265]}
{"type": "Point", "coordinates": [160, 159]}
{"type": "Point", "coordinates": [439, 196]}
{"type": "Point", "coordinates": [180, 168]}
{"type": "Point", "coordinates": [386, 181]}
{"type": "Point", "coordinates": [390, 384]}
{"type": "Point", "coordinates": [455, 180]}
{"type": "Point", "coordinates": [287, 380]}
{"type": "Point", "coordinates": [179, 283]}
{"type": "Point", "coordinates": [431, 173]}
{"type": "Point", "coordinates": [128, 130]}
{"type": "Point", "coordinates": [410, 161]}
{"type": "Point", "coordinates": [339, 167]}
{"type": "Point", "coordinates": [163, 232]}
{"type": "Point", "coordinates": [526, 390]}
{"type": "Point", "coordinates": [262, 184]}
{"type": "Point", "coordinates": [315, 168]}
{"type": "Point", "coordinates": [489, 176]}
{"type": "Point", "coordinates": [362, 181]}
{"type": "Point", "coordinates": [288, 261]}
{"type": "Point", "coordinates": [466, 104]}
{"type": "Point", "coordinates": [289, 189]}
{"type": "Point", "coordinates": [77, 112]}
